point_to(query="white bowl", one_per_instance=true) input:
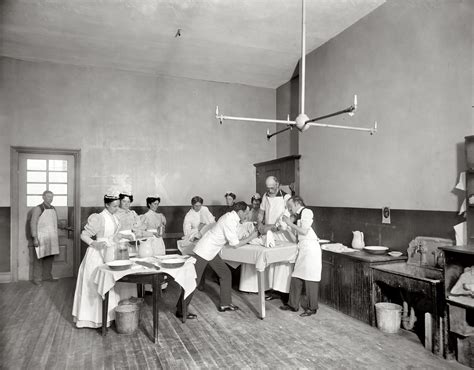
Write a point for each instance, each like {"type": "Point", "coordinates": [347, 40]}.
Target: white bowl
{"type": "Point", "coordinates": [119, 265]}
{"type": "Point", "coordinates": [395, 254]}
{"type": "Point", "coordinates": [376, 249]}
{"type": "Point", "coordinates": [172, 263]}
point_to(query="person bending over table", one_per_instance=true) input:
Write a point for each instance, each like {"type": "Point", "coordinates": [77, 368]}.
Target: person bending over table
{"type": "Point", "coordinates": [308, 263]}
{"type": "Point", "coordinates": [104, 227]}
{"type": "Point", "coordinates": [207, 252]}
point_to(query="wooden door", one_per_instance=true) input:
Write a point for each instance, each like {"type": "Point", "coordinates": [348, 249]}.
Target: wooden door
{"type": "Point", "coordinates": [37, 173]}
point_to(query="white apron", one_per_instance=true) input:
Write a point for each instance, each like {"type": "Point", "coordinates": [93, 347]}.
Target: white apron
{"type": "Point", "coordinates": [87, 307]}
{"type": "Point", "coordinates": [308, 263]}
{"type": "Point", "coordinates": [48, 244]}
{"type": "Point", "coordinates": [277, 275]}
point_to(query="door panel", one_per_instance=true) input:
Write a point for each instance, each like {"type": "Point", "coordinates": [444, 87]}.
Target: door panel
{"type": "Point", "coordinates": [36, 173]}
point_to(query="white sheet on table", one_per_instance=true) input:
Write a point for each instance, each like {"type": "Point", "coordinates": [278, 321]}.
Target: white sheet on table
{"type": "Point", "coordinates": [105, 278]}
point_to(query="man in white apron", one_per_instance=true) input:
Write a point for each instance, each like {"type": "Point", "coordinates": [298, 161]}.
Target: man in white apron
{"type": "Point", "coordinates": [307, 272]}
{"type": "Point", "coordinates": [272, 208]}
{"type": "Point", "coordinates": [44, 234]}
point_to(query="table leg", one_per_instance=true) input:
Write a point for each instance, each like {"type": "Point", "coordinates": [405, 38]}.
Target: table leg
{"type": "Point", "coordinates": [105, 309]}
{"type": "Point", "coordinates": [140, 290]}
{"type": "Point", "coordinates": [376, 297]}
{"type": "Point", "coordinates": [261, 293]}
{"type": "Point", "coordinates": [184, 307]}
{"type": "Point", "coordinates": [428, 331]}
{"type": "Point", "coordinates": [156, 293]}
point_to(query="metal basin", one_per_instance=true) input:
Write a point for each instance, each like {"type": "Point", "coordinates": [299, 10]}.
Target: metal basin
{"type": "Point", "coordinates": [414, 272]}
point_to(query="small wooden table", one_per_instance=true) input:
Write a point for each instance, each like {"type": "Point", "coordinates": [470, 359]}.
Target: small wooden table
{"type": "Point", "coordinates": [153, 278]}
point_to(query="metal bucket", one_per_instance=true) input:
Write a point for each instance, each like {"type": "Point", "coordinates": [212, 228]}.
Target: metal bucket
{"type": "Point", "coordinates": [127, 317]}
{"type": "Point", "coordinates": [389, 317]}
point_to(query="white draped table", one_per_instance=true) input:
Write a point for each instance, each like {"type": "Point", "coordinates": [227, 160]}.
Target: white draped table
{"type": "Point", "coordinates": [261, 257]}
{"type": "Point", "coordinates": [105, 278]}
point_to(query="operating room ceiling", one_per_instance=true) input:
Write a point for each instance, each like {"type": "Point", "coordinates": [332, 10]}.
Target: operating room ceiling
{"type": "Point", "coordinates": [251, 42]}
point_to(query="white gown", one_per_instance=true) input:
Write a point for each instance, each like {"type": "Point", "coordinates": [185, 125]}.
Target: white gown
{"type": "Point", "coordinates": [308, 264]}
{"type": "Point", "coordinates": [87, 307]}
{"type": "Point", "coordinates": [153, 221]}
{"type": "Point", "coordinates": [194, 223]}
{"type": "Point", "coordinates": [277, 275]}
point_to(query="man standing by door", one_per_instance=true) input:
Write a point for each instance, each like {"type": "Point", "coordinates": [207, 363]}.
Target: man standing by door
{"type": "Point", "coordinates": [44, 234]}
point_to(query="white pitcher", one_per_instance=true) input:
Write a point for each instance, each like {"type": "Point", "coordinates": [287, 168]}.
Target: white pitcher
{"type": "Point", "coordinates": [358, 240]}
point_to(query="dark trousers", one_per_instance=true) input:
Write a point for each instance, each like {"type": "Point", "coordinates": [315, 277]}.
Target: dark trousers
{"type": "Point", "coordinates": [312, 293]}
{"type": "Point", "coordinates": [42, 267]}
{"type": "Point", "coordinates": [225, 280]}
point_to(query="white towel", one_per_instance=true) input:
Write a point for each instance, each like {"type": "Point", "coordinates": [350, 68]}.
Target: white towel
{"type": "Point", "coordinates": [461, 185]}
{"type": "Point", "coordinates": [270, 240]}
{"type": "Point", "coordinates": [461, 233]}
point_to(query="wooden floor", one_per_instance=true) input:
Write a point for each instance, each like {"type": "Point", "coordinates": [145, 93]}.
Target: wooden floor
{"type": "Point", "coordinates": [36, 331]}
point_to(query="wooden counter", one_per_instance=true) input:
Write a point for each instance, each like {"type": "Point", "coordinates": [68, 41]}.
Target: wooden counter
{"type": "Point", "coordinates": [346, 281]}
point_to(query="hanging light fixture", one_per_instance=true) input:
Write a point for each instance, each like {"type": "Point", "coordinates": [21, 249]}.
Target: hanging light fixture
{"type": "Point", "coordinates": [302, 122]}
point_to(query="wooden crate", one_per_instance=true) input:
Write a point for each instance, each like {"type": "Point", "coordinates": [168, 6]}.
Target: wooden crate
{"type": "Point", "coordinates": [461, 320]}
{"type": "Point", "coordinates": [465, 350]}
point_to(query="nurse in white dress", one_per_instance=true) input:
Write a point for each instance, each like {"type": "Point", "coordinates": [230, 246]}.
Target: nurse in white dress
{"type": "Point", "coordinates": [87, 307]}
{"type": "Point", "coordinates": [308, 263]}
{"type": "Point", "coordinates": [130, 222]}
{"type": "Point", "coordinates": [272, 208]}
{"type": "Point", "coordinates": [155, 223]}
{"type": "Point", "coordinates": [196, 223]}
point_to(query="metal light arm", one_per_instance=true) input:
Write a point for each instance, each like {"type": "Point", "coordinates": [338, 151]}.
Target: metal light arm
{"type": "Point", "coordinates": [350, 110]}
{"type": "Point", "coordinates": [269, 136]}
{"type": "Point", "coordinates": [371, 130]}
{"type": "Point", "coordinates": [221, 119]}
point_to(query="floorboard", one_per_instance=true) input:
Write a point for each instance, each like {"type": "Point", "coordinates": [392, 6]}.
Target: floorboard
{"type": "Point", "coordinates": [36, 331]}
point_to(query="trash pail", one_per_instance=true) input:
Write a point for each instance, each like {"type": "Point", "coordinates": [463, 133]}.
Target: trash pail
{"type": "Point", "coordinates": [126, 318]}
{"type": "Point", "coordinates": [389, 317]}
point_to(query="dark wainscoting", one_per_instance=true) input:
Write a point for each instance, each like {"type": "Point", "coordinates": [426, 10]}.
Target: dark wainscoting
{"type": "Point", "coordinates": [337, 224]}
{"type": "Point", "coordinates": [334, 223]}
{"type": "Point", "coordinates": [5, 239]}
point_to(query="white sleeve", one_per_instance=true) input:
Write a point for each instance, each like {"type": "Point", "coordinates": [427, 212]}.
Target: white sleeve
{"type": "Point", "coordinates": [207, 216]}
{"type": "Point", "coordinates": [306, 219]}
{"type": "Point", "coordinates": [187, 225]}
{"type": "Point", "coordinates": [230, 232]}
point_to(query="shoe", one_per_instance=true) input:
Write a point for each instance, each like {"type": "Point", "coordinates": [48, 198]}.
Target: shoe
{"type": "Point", "coordinates": [189, 316]}
{"type": "Point", "coordinates": [288, 308]}
{"type": "Point", "coordinates": [271, 297]}
{"type": "Point", "coordinates": [308, 313]}
{"type": "Point", "coordinates": [37, 282]}
{"type": "Point", "coordinates": [230, 307]}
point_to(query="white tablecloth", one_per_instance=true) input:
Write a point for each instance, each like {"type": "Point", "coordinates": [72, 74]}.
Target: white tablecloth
{"type": "Point", "coordinates": [260, 256]}
{"type": "Point", "coordinates": [105, 278]}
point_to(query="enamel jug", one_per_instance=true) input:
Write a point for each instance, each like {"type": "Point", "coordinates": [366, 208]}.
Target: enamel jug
{"type": "Point", "coordinates": [358, 240]}
{"type": "Point", "coordinates": [145, 249]}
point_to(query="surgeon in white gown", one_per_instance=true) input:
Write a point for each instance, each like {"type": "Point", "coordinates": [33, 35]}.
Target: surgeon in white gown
{"type": "Point", "coordinates": [272, 209]}
{"type": "Point", "coordinates": [87, 306]}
